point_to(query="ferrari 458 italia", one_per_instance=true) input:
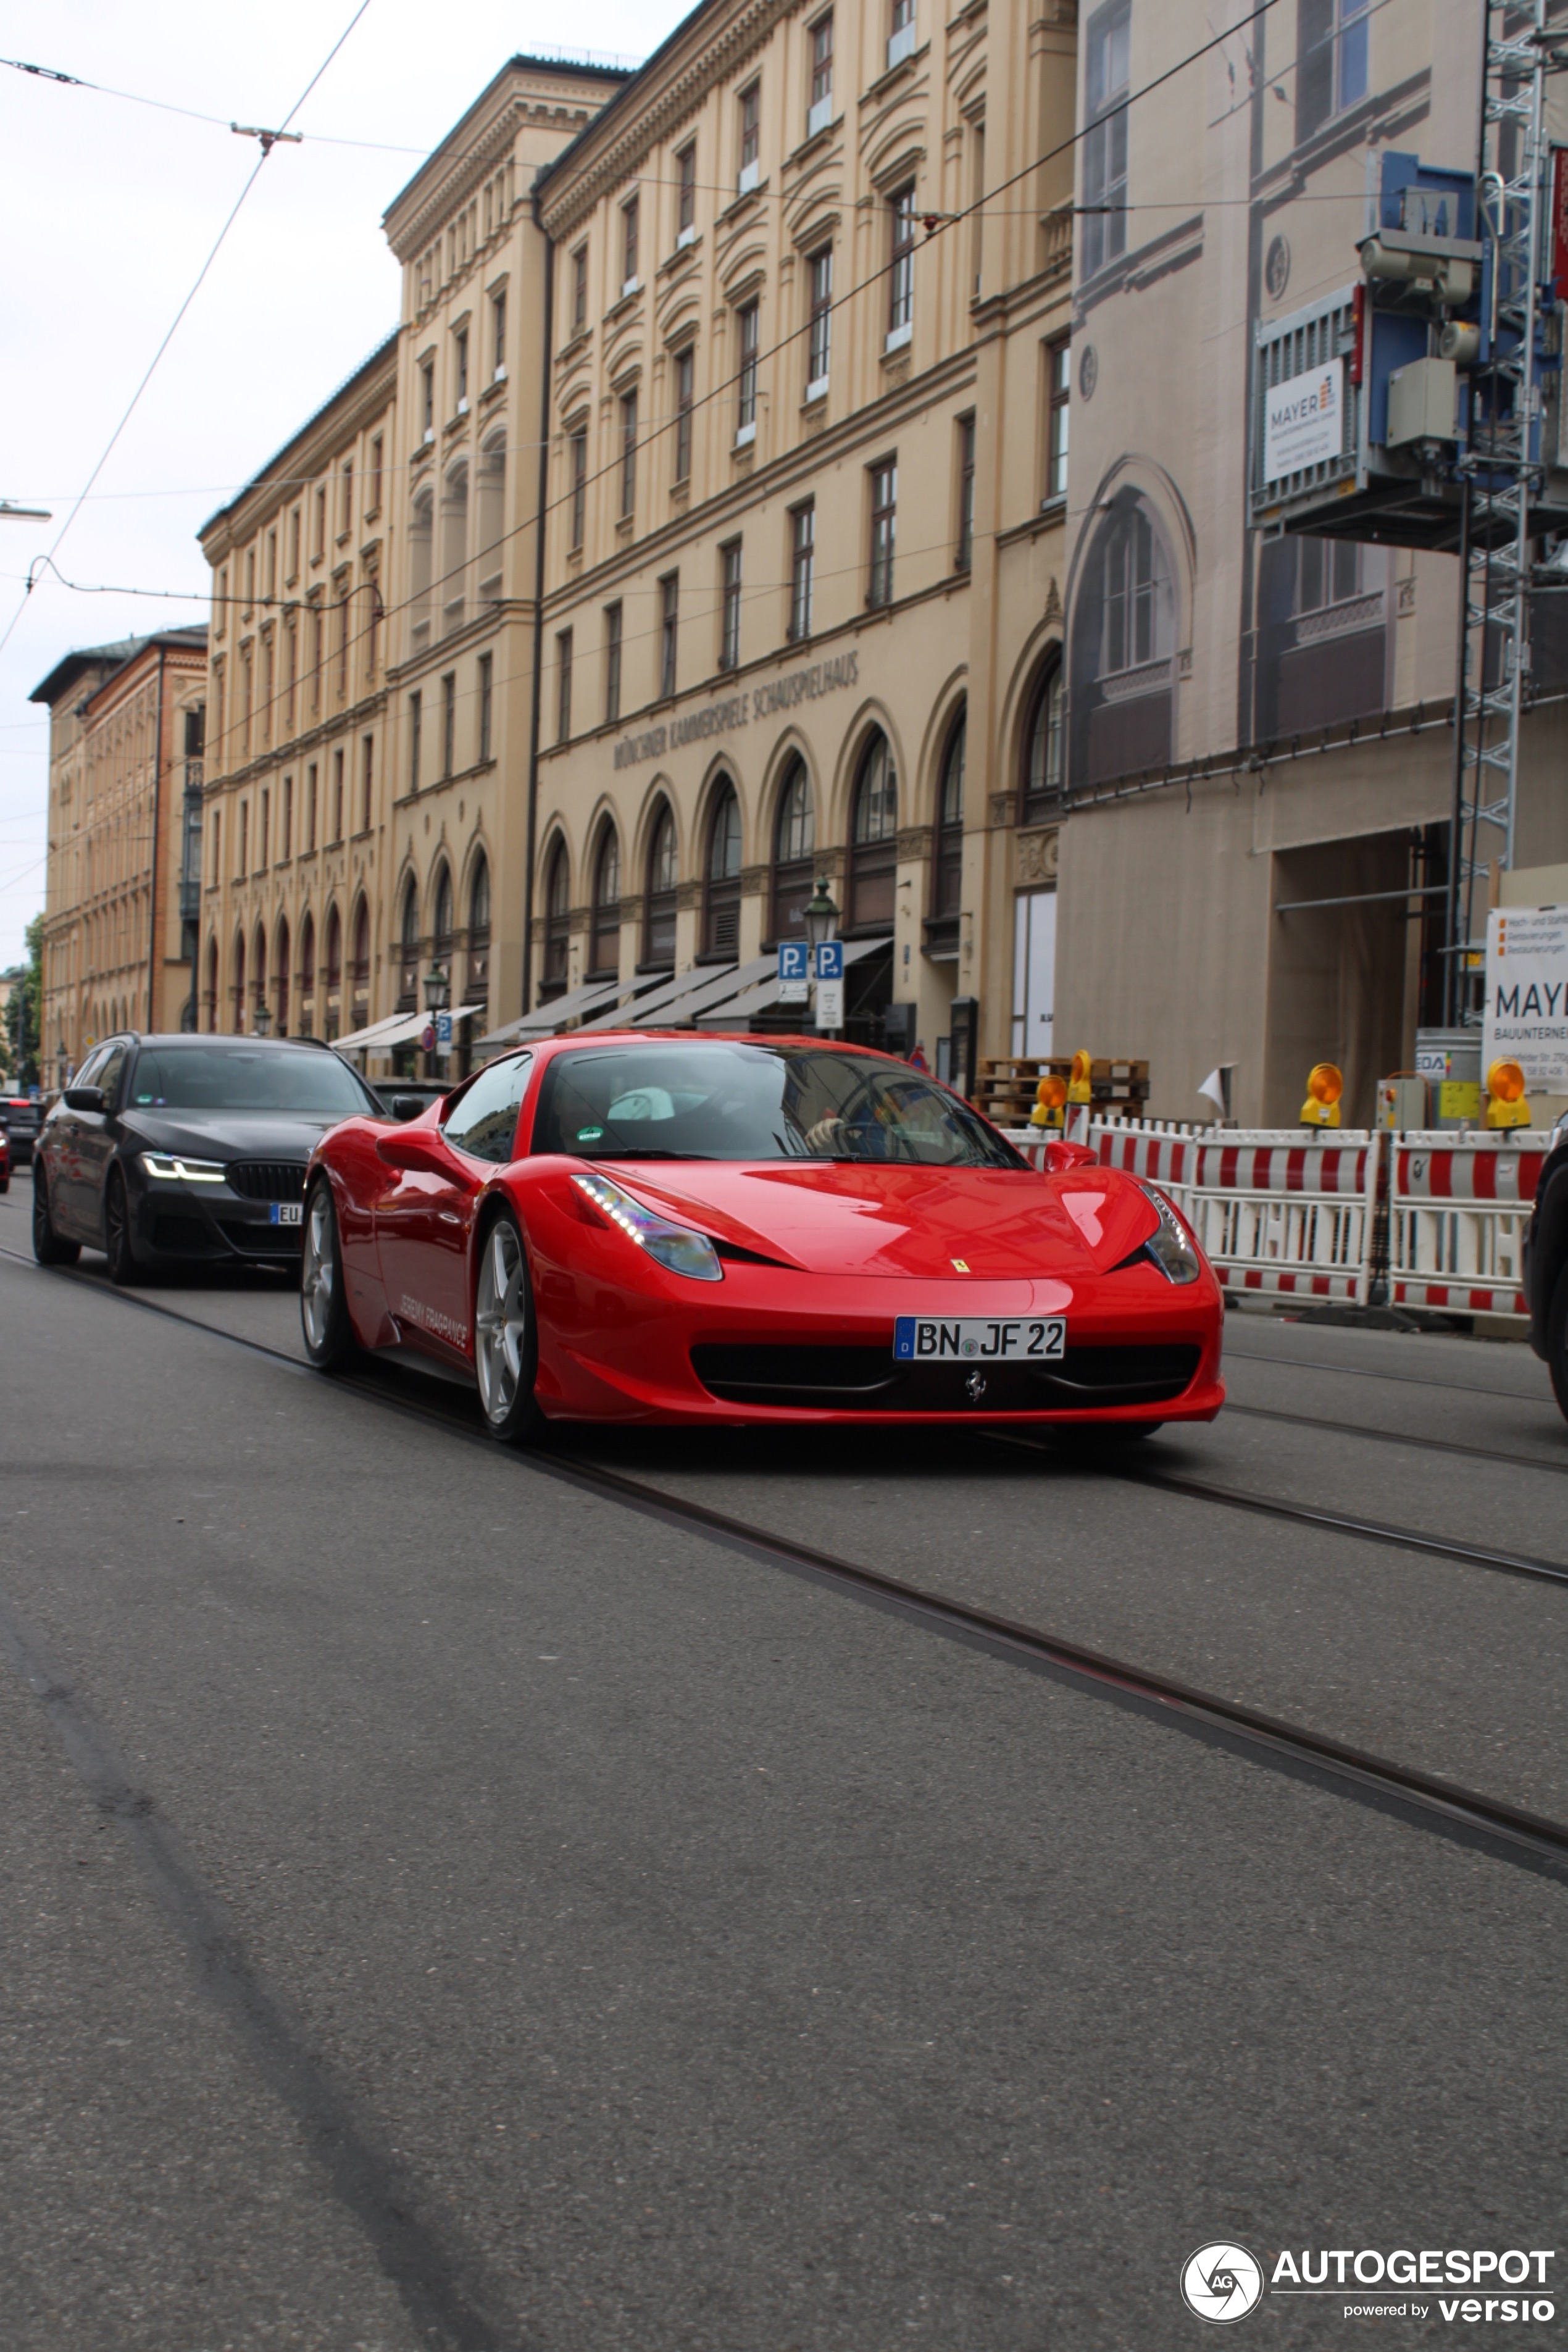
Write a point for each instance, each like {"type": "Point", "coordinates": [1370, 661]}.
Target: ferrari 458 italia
{"type": "Point", "coordinates": [730, 1230]}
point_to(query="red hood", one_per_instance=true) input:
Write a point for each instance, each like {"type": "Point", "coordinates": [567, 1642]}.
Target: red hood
{"type": "Point", "coordinates": [874, 1219]}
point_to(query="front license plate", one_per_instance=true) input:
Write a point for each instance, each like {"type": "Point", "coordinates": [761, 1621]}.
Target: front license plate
{"type": "Point", "coordinates": [959, 1339]}
{"type": "Point", "coordinates": [286, 1212]}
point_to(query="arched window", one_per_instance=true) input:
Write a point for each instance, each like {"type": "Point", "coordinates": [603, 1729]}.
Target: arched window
{"type": "Point", "coordinates": [280, 979]}
{"type": "Point", "coordinates": [557, 922]}
{"type": "Point", "coordinates": [1043, 743]}
{"type": "Point", "coordinates": [1121, 701]}
{"type": "Point", "coordinates": [258, 969]}
{"type": "Point", "coordinates": [421, 554]}
{"type": "Point", "coordinates": [605, 957]}
{"type": "Point", "coordinates": [478, 990]}
{"type": "Point", "coordinates": [332, 975]}
{"type": "Point", "coordinates": [359, 962]}
{"type": "Point", "coordinates": [408, 949]}
{"type": "Point", "coordinates": [441, 919]}
{"type": "Point", "coordinates": [306, 974]}
{"type": "Point", "coordinates": [722, 890]}
{"type": "Point", "coordinates": [873, 837]}
{"type": "Point", "coordinates": [211, 984]}
{"type": "Point", "coordinates": [658, 925]}
{"type": "Point", "coordinates": [490, 517]}
{"type": "Point", "coordinates": [453, 546]}
{"type": "Point", "coordinates": [237, 990]}
{"type": "Point", "coordinates": [947, 861]}
{"type": "Point", "coordinates": [794, 843]}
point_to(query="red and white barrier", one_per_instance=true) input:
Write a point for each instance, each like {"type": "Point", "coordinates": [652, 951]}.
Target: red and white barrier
{"type": "Point", "coordinates": [1458, 1208]}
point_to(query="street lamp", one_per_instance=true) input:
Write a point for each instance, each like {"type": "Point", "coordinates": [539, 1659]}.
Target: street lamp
{"type": "Point", "coordinates": [820, 916]}
{"type": "Point", "coordinates": [438, 989]}
{"type": "Point", "coordinates": [261, 1021]}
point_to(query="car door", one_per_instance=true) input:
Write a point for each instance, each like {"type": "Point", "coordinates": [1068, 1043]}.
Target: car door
{"type": "Point", "coordinates": [424, 1220]}
{"type": "Point", "coordinates": [97, 1132]}
{"type": "Point", "coordinates": [62, 1157]}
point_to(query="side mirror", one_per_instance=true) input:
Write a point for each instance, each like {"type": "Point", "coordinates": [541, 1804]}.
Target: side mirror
{"type": "Point", "coordinates": [420, 1152]}
{"type": "Point", "coordinates": [85, 1098]}
{"type": "Point", "coordinates": [407, 1105]}
{"type": "Point", "coordinates": [1060, 1157]}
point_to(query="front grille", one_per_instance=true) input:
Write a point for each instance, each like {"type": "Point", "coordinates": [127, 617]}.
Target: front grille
{"type": "Point", "coordinates": [267, 1179]}
{"type": "Point", "coordinates": [866, 1380]}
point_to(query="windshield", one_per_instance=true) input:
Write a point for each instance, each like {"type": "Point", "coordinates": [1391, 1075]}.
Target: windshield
{"type": "Point", "coordinates": [727, 1102]}
{"type": "Point", "coordinates": [244, 1078]}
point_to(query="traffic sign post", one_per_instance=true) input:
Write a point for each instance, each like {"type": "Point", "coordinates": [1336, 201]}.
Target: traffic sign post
{"type": "Point", "coordinates": [795, 975]}
{"type": "Point", "coordinates": [442, 1032]}
{"type": "Point", "coordinates": [829, 961]}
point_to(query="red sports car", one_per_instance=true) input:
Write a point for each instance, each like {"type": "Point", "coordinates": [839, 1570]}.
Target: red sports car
{"type": "Point", "coordinates": [725, 1230]}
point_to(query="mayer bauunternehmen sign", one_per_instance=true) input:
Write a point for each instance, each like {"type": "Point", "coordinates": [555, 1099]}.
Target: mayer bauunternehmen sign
{"type": "Point", "coordinates": [1303, 420]}
{"type": "Point", "coordinates": [1527, 995]}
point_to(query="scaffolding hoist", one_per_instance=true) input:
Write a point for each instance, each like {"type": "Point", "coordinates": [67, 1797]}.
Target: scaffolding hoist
{"type": "Point", "coordinates": [1422, 406]}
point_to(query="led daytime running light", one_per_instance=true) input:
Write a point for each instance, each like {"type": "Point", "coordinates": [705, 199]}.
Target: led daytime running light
{"type": "Point", "coordinates": [170, 1168]}
{"type": "Point", "coordinates": [679, 1247]}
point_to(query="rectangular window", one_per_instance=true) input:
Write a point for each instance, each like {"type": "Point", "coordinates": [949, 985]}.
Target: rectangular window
{"type": "Point", "coordinates": [750, 106]}
{"type": "Point", "coordinates": [563, 686]}
{"type": "Point", "coordinates": [366, 779]}
{"type": "Point", "coordinates": [498, 338]}
{"type": "Point", "coordinates": [819, 340]}
{"type": "Point", "coordinates": [415, 715]}
{"type": "Point", "coordinates": [579, 289]}
{"type": "Point", "coordinates": [287, 818]}
{"type": "Point", "coordinates": [250, 579]}
{"type": "Point", "coordinates": [267, 689]}
{"type": "Point", "coordinates": [311, 808]}
{"type": "Point", "coordinates": [271, 563]}
{"type": "Point", "coordinates": [668, 607]}
{"type": "Point", "coordinates": [629, 454]}
{"type": "Point", "coordinates": [373, 634]}
{"type": "Point", "coordinates": [377, 468]}
{"type": "Point", "coordinates": [244, 840]}
{"type": "Point", "coordinates": [218, 847]}
{"type": "Point", "coordinates": [427, 400]}
{"type": "Point", "coordinates": [901, 277]}
{"type": "Point", "coordinates": [612, 664]}
{"type": "Point", "coordinates": [295, 523]}
{"type": "Point", "coordinates": [884, 517]}
{"type": "Point", "coordinates": [748, 322]}
{"type": "Point", "coordinates": [1058, 388]}
{"type": "Point", "coordinates": [337, 795]}
{"type": "Point", "coordinates": [263, 829]}
{"type": "Point", "coordinates": [448, 723]}
{"type": "Point", "coordinates": [1106, 81]}
{"type": "Point", "coordinates": [320, 521]}
{"type": "Point", "coordinates": [730, 606]}
{"type": "Point", "coordinates": [902, 33]}
{"type": "Point", "coordinates": [460, 352]}
{"type": "Point", "coordinates": [487, 703]}
{"type": "Point", "coordinates": [348, 494]}
{"type": "Point", "coordinates": [819, 106]}
{"type": "Point", "coordinates": [801, 567]}
{"type": "Point", "coordinates": [685, 197]}
{"type": "Point", "coordinates": [629, 248]}
{"type": "Point", "coordinates": [291, 675]}
{"type": "Point", "coordinates": [579, 486]}
{"type": "Point", "coordinates": [685, 379]}
{"type": "Point", "coordinates": [220, 616]}
{"type": "Point", "coordinates": [317, 647]}
{"type": "Point", "coordinates": [1331, 38]}
{"type": "Point", "coordinates": [963, 555]}
{"type": "Point", "coordinates": [342, 642]}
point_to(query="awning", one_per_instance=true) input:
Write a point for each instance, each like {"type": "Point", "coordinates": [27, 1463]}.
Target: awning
{"type": "Point", "coordinates": [651, 998]}
{"type": "Point", "coordinates": [755, 993]}
{"type": "Point", "coordinates": [545, 1019]}
{"type": "Point", "coordinates": [398, 1029]}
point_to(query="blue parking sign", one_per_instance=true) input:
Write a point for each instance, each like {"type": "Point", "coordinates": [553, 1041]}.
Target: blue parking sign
{"type": "Point", "coordinates": [830, 960]}
{"type": "Point", "coordinates": [792, 960]}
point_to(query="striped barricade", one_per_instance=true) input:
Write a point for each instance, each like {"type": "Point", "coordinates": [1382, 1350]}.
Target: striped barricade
{"type": "Point", "coordinates": [1458, 1207]}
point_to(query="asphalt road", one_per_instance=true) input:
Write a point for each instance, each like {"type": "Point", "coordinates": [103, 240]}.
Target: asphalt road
{"type": "Point", "coordinates": [446, 1908]}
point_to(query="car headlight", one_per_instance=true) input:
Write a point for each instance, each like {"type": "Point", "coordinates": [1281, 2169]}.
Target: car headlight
{"type": "Point", "coordinates": [680, 1248]}
{"type": "Point", "coordinates": [172, 1168]}
{"type": "Point", "coordinates": [1171, 1246]}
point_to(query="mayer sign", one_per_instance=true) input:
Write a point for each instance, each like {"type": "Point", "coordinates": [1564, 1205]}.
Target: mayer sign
{"type": "Point", "coordinates": [1527, 995]}
{"type": "Point", "coordinates": [1303, 420]}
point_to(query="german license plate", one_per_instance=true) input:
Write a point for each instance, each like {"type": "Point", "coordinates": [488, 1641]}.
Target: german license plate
{"type": "Point", "coordinates": [964, 1339]}
{"type": "Point", "coordinates": [285, 1212]}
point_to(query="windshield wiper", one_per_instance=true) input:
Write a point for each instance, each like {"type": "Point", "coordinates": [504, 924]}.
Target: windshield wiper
{"type": "Point", "coordinates": [646, 1151]}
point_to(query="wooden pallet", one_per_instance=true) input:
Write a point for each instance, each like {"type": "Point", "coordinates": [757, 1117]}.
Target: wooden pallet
{"type": "Point", "coordinates": [1006, 1089]}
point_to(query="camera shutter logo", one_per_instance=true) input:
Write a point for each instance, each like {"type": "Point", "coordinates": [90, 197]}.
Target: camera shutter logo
{"type": "Point", "coordinates": [1222, 2283]}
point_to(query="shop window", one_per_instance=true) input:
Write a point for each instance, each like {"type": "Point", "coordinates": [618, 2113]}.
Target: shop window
{"type": "Point", "coordinates": [947, 858]}
{"type": "Point", "coordinates": [721, 895]}
{"type": "Point", "coordinates": [606, 959]}
{"type": "Point", "coordinates": [476, 988]}
{"type": "Point", "coordinates": [658, 925]}
{"type": "Point", "coordinates": [408, 952]}
{"type": "Point", "coordinates": [557, 916]}
{"type": "Point", "coordinates": [795, 844]}
{"type": "Point", "coordinates": [873, 837]}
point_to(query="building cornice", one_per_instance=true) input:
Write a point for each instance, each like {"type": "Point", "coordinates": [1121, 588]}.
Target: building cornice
{"type": "Point", "coordinates": [369, 388]}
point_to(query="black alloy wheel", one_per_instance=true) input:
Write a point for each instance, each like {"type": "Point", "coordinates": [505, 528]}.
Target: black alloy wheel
{"type": "Point", "coordinates": [329, 1342]}
{"type": "Point", "coordinates": [1557, 1342]}
{"type": "Point", "coordinates": [506, 1336]}
{"type": "Point", "coordinates": [47, 1247]}
{"type": "Point", "coordinates": [123, 1268]}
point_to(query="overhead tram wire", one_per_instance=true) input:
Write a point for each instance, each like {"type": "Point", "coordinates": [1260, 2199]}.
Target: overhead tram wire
{"type": "Point", "coordinates": [267, 142]}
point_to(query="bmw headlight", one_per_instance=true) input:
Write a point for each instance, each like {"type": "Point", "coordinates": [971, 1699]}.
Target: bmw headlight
{"type": "Point", "coordinates": [1171, 1246]}
{"type": "Point", "coordinates": [173, 1168]}
{"type": "Point", "coordinates": [680, 1248]}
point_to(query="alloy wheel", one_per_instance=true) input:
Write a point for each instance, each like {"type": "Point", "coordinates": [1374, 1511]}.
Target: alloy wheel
{"type": "Point", "coordinates": [319, 1269]}
{"type": "Point", "coordinates": [501, 1321]}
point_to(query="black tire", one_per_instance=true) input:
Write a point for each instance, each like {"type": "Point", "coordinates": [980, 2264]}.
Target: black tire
{"type": "Point", "coordinates": [124, 1268]}
{"type": "Point", "coordinates": [329, 1334]}
{"type": "Point", "coordinates": [47, 1247]}
{"type": "Point", "coordinates": [1557, 1342]}
{"type": "Point", "coordinates": [506, 1336]}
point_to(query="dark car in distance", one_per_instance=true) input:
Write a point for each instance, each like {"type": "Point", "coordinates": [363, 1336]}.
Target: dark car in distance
{"type": "Point", "coordinates": [187, 1149]}
{"type": "Point", "coordinates": [20, 1116]}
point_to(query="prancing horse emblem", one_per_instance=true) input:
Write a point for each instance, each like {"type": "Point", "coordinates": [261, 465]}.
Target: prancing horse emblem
{"type": "Point", "coordinates": [976, 1386]}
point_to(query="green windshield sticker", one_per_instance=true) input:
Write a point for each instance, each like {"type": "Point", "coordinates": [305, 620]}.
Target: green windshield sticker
{"type": "Point", "coordinates": [589, 1134]}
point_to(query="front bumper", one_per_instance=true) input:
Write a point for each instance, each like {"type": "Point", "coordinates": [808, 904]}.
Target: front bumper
{"type": "Point", "coordinates": [212, 1222]}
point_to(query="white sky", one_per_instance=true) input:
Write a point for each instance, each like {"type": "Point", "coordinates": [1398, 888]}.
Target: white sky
{"type": "Point", "coordinates": [112, 208]}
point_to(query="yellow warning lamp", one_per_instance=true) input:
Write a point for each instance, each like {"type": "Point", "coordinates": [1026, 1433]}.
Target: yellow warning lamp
{"type": "Point", "coordinates": [1325, 1084]}
{"type": "Point", "coordinates": [1050, 1097]}
{"type": "Point", "coordinates": [1507, 1104]}
{"type": "Point", "coordinates": [1079, 1087]}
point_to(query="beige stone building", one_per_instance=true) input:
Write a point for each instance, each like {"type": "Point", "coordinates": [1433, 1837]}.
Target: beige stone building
{"type": "Point", "coordinates": [126, 761]}
{"type": "Point", "coordinates": [806, 547]}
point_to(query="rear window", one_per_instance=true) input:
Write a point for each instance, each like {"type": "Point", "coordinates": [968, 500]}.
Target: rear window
{"type": "Point", "coordinates": [238, 1076]}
